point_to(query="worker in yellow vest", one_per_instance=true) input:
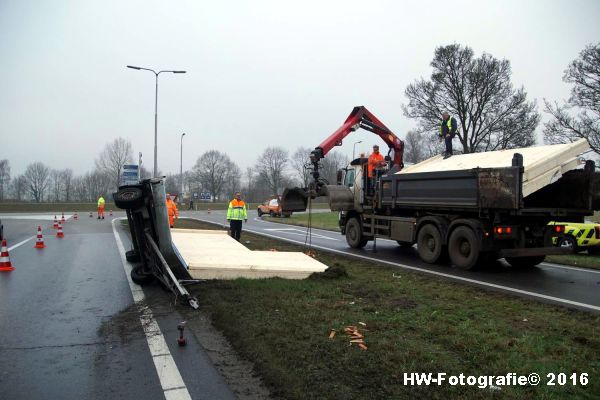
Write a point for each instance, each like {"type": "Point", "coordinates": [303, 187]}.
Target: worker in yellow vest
{"type": "Point", "coordinates": [101, 207]}
{"type": "Point", "coordinates": [236, 212]}
{"type": "Point", "coordinates": [447, 130]}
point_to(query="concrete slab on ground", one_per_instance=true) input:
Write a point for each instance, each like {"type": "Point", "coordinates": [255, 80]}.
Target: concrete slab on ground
{"type": "Point", "coordinates": [215, 255]}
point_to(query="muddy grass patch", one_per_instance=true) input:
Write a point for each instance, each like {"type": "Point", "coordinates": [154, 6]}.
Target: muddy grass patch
{"type": "Point", "coordinates": [412, 323]}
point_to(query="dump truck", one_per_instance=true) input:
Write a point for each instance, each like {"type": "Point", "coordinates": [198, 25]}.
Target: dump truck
{"type": "Point", "coordinates": [468, 208]}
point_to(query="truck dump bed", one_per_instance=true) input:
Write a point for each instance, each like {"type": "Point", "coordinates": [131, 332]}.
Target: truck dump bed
{"type": "Point", "coordinates": [544, 177]}
{"type": "Point", "coordinates": [542, 165]}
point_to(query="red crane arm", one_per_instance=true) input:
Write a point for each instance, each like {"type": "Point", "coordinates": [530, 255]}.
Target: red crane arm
{"type": "Point", "coordinates": [360, 117]}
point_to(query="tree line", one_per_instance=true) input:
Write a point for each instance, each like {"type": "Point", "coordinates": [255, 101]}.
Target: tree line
{"type": "Point", "coordinates": [477, 91]}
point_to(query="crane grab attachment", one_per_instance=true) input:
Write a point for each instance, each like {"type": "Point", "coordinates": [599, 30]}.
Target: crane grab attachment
{"type": "Point", "coordinates": [296, 199]}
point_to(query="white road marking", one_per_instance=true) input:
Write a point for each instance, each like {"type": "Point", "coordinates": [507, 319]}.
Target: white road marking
{"type": "Point", "coordinates": [172, 383]}
{"type": "Point", "coordinates": [551, 265]}
{"type": "Point", "coordinates": [21, 243]}
{"type": "Point", "coordinates": [40, 217]}
{"type": "Point", "coordinates": [299, 232]}
{"type": "Point", "coordinates": [459, 278]}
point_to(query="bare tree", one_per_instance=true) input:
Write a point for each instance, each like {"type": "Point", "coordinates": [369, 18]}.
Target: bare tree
{"type": "Point", "coordinates": [298, 161]}
{"type": "Point", "coordinates": [330, 164]}
{"type": "Point", "coordinates": [271, 167]}
{"type": "Point", "coordinates": [37, 175]}
{"type": "Point", "coordinates": [55, 186]}
{"type": "Point", "coordinates": [415, 147]}
{"type": "Point", "coordinates": [233, 182]}
{"type": "Point", "coordinates": [211, 170]}
{"type": "Point", "coordinates": [97, 183]}
{"type": "Point", "coordinates": [113, 157]}
{"type": "Point", "coordinates": [67, 182]}
{"type": "Point", "coordinates": [79, 189]}
{"type": "Point", "coordinates": [478, 92]}
{"type": "Point", "coordinates": [584, 74]}
{"type": "Point", "coordinates": [4, 177]}
{"type": "Point", "coordinates": [19, 187]}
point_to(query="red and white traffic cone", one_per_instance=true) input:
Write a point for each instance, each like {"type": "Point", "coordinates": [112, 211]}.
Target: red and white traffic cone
{"type": "Point", "coordinates": [63, 218]}
{"type": "Point", "coordinates": [110, 213]}
{"type": "Point", "coordinates": [5, 264]}
{"type": "Point", "coordinates": [75, 216]}
{"type": "Point", "coordinates": [59, 233]}
{"type": "Point", "coordinates": [209, 210]}
{"type": "Point", "coordinates": [55, 226]}
{"type": "Point", "coordinates": [39, 243]}
{"type": "Point", "coordinates": [91, 216]}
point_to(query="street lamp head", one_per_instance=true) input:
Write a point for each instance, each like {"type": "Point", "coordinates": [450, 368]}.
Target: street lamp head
{"type": "Point", "coordinates": [179, 72]}
{"type": "Point", "coordinates": [132, 67]}
{"type": "Point", "coordinates": [183, 134]}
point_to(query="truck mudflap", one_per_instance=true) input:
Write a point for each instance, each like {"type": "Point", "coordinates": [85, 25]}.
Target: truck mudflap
{"type": "Point", "coordinates": [537, 251]}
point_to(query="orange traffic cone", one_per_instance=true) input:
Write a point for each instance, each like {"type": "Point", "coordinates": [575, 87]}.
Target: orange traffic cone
{"type": "Point", "coordinates": [55, 226]}
{"type": "Point", "coordinates": [209, 210]}
{"type": "Point", "coordinates": [5, 264]}
{"type": "Point", "coordinates": [59, 233]}
{"type": "Point", "coordinates": [63, 218]}
{"type": "Point", "coordinates": [75, 217]}
{"type": "Point", "coordinates": [91, 216]}
{"type": "Point", "coordinates": [110, 213]}
{"type": "Point", "coordinates": [39, 243]}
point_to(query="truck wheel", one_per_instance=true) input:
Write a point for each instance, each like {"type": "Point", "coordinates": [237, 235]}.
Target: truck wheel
{"type": "Point", "coordinates": [128, 198]}
{"type": "Point", "coordinates": [132, 256]}
{"type": "Point", "coordinates": [354, 235]}
{"type": "Point", "coordinates": [525, 262]}
{"type": "Point", "coordinates": [429, 244]}
{"type": "Point", "coordinates": [140, 277]}
{"type": "Point", "coordinates": [568, 241]}
{"type": "Point", "coordinates": [463, 248]}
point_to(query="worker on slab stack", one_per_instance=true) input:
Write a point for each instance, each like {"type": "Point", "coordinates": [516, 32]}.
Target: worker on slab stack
{"type": "Point", "coordinates": [236, 212]}
{"type": "Point", "coordinates": [172, 210]}
{"type": "Point", "coordinates": [101, 203]}
{"type": "Point", "coordinates": [448, 129]}
{"type": "Point", "coordinates": [375, 161]}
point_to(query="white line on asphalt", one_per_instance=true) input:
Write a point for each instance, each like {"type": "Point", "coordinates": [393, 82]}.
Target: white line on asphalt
{"type": "Point", "coordinates": [21, 243]}
{"type": "Point", "coordinates": [460, 278]}
{"type": "Point", "coordinates": [299, 232]}
{"type": "Point", "coordinates": [552, 265]}
{"type": "Point", "coordinates": [170, 379]}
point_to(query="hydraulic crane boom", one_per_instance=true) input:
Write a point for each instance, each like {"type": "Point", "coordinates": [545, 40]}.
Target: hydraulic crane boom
{"type": "Point", "coordinates": [296, 199]}
{"type": "Point", "coordinates": [360, 117]}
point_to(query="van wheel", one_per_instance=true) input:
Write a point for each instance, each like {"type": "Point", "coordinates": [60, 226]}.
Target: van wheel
{"type": "Point", "coordinates": [354, 235]}
{"type": "Point", "coordinates": [429, 244]}
{"type": "Point", "coordinates": [272, 214]}
{"type": "Point", "coordinates": [132, 256]}
{"type": "Point", "coordinates": [128, 198]}
{"type": "Point", "coordinates": [259, 212]}
{"type": "Point", "coordinates": [525, 262]}
{"type": "Point", "coordinates": [139, 276]}
{"type": "Point", "coordinates": [463, 248]}
{"type": "Point", "coordinates": [569, 242]}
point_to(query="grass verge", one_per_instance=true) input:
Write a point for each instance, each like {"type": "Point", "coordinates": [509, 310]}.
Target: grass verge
{"type": "Point", "coordinates": [414, 323]}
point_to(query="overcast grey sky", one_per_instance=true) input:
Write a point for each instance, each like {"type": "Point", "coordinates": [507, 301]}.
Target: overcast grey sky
{"type": "Point", "coordinates": [259, 72]}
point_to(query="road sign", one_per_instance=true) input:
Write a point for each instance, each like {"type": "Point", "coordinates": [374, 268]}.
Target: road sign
{"type": "Point", "coordinates": [130, 175]}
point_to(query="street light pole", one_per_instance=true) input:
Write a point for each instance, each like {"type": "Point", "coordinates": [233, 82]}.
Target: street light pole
{"type": "Point", "coordinates": [354, 147]}
{"type": "Point", "coordinates": [181, 166]}
{"type": "Point", "coordinates": [155, 110]}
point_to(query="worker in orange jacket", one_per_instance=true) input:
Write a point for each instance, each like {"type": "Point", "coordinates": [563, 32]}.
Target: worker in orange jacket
{"type": "Point", "coordinates": [375, 162]}
{"type": "Point", "coordinates": [171, 210]}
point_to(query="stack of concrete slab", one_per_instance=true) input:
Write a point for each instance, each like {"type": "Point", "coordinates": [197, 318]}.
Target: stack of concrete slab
{"type": "Point", "coordinates": [543, 165]}
{"type": "Point", "coordinates": [215, 255]}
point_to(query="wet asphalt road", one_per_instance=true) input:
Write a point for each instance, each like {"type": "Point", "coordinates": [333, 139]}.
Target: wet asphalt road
{"type": "Point", "coordinates": [69, 326]}
{"type": "Point", "coordinates": [569, 286]}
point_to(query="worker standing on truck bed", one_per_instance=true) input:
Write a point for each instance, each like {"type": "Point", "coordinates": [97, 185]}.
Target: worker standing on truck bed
{"type": "Point", "coordinates": [171, 210]}
{"type": "Point", "coordinates": [101, 203]}
{"type": "Point", "coordinates": [448, 129]}
{"type": "Point", "coordinates": [376, 161]}
{"type": "Point", "coordinates": [236, 212]}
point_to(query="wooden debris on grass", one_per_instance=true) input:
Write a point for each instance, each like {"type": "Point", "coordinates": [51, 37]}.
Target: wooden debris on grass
{"type": "Point", "coordinates": [353, 335]}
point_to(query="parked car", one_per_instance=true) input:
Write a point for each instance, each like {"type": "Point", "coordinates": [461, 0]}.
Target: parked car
{"type": "Point", "coordinates": [579, 236]}
{"type": "Point", "coordinates": [272, 207]}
